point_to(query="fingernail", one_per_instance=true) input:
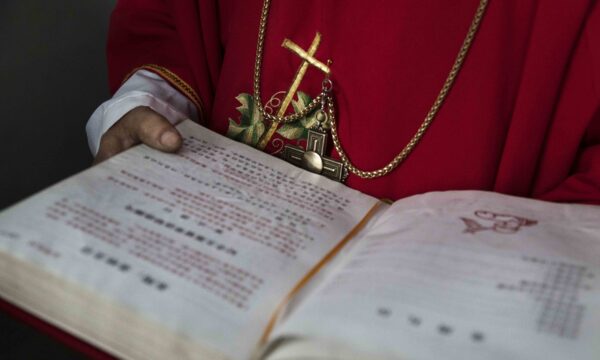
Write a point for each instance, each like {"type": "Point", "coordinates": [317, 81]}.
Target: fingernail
{"type": "Point", "coordinates": [169, 139]}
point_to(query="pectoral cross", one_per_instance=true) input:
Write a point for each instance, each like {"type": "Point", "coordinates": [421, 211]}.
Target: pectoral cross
{"type": "Point", "coordinates": [308, 59]}
{"type": "Point", "coordinates": [312, 159]}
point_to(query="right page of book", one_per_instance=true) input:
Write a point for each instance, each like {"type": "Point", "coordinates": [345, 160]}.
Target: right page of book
{"type": "Point", "coordinates": [458, 275]}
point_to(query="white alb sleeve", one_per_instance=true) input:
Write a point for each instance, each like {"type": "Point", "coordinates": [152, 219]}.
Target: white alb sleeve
{"type": "Point", "coordinates": [143, 88]}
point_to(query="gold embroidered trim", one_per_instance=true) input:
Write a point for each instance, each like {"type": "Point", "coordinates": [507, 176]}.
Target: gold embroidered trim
{"type": "Point", "coordinates": [177, 82]}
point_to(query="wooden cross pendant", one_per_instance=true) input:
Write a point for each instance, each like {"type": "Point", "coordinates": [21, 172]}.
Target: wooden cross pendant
{"type": "Point", "coordinates": [313, 160]}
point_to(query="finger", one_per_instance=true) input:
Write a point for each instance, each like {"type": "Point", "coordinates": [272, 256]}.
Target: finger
{"type": "Point", "coordinates": [110, 145]}
{"type": "Point", "coordinates": [155, 131]}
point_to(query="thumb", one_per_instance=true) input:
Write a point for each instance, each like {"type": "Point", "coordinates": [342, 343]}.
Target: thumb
{"type": "Point", "coordinates": [154, 130]}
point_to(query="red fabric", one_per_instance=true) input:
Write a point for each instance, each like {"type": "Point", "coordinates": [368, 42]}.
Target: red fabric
{"type": "Point", "coordinates": [522, 118]}
{"type": "Point", "coordinates": [56, 333]}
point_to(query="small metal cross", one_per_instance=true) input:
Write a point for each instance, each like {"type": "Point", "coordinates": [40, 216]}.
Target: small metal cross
{"type": "Point", "coordinates": [313, 160]}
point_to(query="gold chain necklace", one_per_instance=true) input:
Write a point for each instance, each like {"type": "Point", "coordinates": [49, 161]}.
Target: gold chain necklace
{"type": "Point", "coordinates": [325, 98]}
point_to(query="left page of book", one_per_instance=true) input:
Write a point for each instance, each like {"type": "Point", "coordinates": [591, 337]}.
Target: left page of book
{"type": "Point", "coordinates": [201, 246]}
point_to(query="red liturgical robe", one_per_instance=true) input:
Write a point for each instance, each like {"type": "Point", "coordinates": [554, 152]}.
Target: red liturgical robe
{"type": "Point", "coordinates": [522, 118]}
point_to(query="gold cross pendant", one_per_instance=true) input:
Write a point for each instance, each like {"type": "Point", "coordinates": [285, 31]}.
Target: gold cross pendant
{"type": "Point", "coordinates": [313, 160]}
{"type": "Point", "coordinates": [308, 60]}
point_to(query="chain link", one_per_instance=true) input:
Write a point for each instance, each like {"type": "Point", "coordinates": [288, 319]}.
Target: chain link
{"type": "Point", "coordinates": [257, 71]}
{"type": "Point", "coordinates": [462, 53]}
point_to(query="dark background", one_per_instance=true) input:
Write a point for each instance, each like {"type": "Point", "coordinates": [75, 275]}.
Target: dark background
{"type": "Point", "coordinates": [52, 77]}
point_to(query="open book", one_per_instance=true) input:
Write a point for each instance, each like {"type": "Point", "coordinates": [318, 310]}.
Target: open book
{"type": "Point", "coordinates": [223, 252]}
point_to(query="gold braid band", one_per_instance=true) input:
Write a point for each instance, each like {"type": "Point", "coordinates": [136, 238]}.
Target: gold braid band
{"type": "Point", "coordinates": [178, 83]}
{"type": "Point", "coordinates": [262, 29]}
{"type": "Point", "coordinates": [462, 53]}
{"type": "Point", "coordinates": [437, 104]}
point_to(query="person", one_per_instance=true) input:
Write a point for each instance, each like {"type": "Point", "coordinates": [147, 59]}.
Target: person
{"type": "Point", "coordinates": [522, 116]}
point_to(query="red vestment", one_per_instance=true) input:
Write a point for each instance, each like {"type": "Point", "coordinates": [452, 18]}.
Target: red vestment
{"type": "Point", "coordinates": [522, 117]}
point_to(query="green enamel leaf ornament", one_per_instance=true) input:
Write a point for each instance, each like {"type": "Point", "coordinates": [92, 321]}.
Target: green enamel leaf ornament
{"type": "Point", "coordinates": [251, 125]}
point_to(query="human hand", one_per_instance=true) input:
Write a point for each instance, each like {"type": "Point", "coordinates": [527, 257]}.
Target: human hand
{"type": "Point", "coordinates": [140, 125]}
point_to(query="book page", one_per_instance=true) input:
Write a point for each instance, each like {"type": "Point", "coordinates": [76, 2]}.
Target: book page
{"type": "Point", "coordinates": [461, 275]}
{"type": "Point", "coordinates": [205, 242]}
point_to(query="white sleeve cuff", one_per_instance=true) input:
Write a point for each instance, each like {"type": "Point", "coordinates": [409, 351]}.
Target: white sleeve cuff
{"type": "Point", "coordinates": [144, 88]}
